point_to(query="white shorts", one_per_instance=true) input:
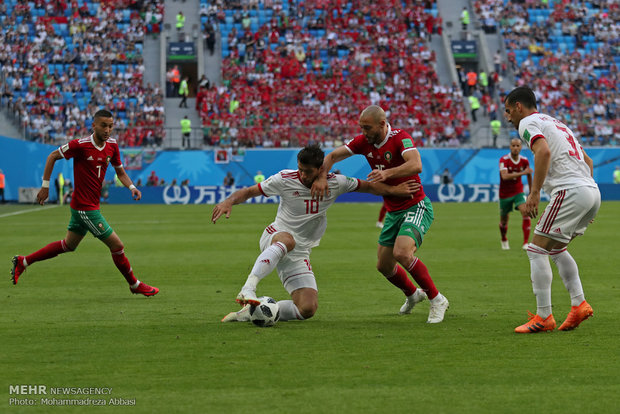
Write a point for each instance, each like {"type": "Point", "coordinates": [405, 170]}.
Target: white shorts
{"type": "Point", "coordinates": [569, 213]}
{"type": "Point", "coordinates": [294, 268]}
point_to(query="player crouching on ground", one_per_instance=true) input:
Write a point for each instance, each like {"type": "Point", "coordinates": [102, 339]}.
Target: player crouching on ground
{"type": "Point", "coordinates": [298, 227]}
{"type": "Point", "coordinates": [91, 156]}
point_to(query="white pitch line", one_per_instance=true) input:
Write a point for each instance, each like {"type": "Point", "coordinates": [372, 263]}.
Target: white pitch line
{"type": "Point", "coordinates": [15, 213]}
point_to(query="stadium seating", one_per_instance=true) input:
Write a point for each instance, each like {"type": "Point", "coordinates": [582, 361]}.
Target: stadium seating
{"type": "Point", "coordinates": [568, 53]}
{"type": "Point", "coordinates": [60, 67]}
{"type": "Point", "coordinates": [301, 72]}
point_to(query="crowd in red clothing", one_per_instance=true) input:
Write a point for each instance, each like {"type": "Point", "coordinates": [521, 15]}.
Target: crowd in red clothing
{"type": "Point", "coordinates": [567, 53]}
{"type": "Point", "coordinates": [61, 61]}
{"type": "Point", "coordinates": [306, 75]}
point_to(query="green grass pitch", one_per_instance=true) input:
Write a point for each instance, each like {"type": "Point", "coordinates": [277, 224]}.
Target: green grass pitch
{"type": "Point", "coordinates": [72, 322]}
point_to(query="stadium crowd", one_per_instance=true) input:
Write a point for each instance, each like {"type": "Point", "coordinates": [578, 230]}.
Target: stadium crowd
{"type": "Point", "coordinates": [568, 53]}
{"type": "Point", "coordinates": [296, 73]}
{"type": "Point", "coordinates": [61, 61]}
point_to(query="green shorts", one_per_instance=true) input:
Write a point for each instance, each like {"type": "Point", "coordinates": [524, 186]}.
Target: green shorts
{"type": "Point", "coordinates": [413, 222]}
{"type": "Point", "coordinates": [506, 205]}
{"type": "Point", "coordinates": [92, 220]}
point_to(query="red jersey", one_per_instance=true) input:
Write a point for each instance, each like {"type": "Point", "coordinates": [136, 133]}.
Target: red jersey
{"type": "Point", "coordinates": [514, 186]}
{"type": "Point", "coordinates": [89, 167]}
{"type": "Point", "coordinates": [389, 154]}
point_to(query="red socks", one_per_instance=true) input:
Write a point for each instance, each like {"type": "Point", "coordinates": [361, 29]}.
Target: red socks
{"type": "Point", "coordinates": [382, 213]}
{"type": "Point", "coordinates": [420, 274]}
{"type": "Point", "coordinates": [49, 251]}
{"type": "Point", "coordinates": [526, 226]}
{"type": "Point", "coordinates": [402, 281]}
{"type": "Point", "coordinates": [122, 263]}
{"type": "Point", "coordinates": [503, 230]}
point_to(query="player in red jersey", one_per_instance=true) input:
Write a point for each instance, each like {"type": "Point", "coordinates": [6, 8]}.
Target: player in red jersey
{"type": "Point", "coordinates": [394, 159]}
{"type": "Point", "coordinates": [511, 196]}
{"type": "Point", "coordinates": [91, 156]}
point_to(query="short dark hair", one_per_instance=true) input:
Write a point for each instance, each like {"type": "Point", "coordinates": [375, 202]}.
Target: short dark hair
{"type": "Point", "coordinates": [522, 94]}
{"type": "Point", "coordinates": [311, 155]}
{"type": "Point", "coordinates": [103, 113]}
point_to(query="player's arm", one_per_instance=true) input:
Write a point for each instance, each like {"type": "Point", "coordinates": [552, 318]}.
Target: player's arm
{"type": "Point", "coordinates": [319, 186]}
{"type": "Point", "coordinates": [124, 178]}
{"type": "Point", "coordinates": [406, 189]}
{"type": "Point", "coordinates": [588, 161]}
{"type": "Point", "coordinates": [412, 165]}
{"type": "Point", "coordinates": [237, 197]}
{"type": "Point", "coordinates": [542, 161]}
{"type": "Point", "coordinates": [509, 176]}
{"type": "Point", "coordinates": [44, 192]}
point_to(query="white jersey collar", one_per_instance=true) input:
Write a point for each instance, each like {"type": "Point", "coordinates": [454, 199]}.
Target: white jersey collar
{"type": "Point", "coordinates": [382, 143]}
{"type": "Point", "coordinates": [92, 139]}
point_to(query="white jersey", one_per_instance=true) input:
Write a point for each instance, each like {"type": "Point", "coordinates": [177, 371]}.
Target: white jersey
{"type": "Point", "coordinates": [568, 168]}
{"type": "Point", "coordinates": [298, 213]}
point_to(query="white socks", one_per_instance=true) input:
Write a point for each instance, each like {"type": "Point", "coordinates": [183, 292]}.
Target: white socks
{"type": "Point", "coordinates": [265, 263]}
{"type": "Point", "coordinates": [289, 311]}
{"type": "Point", "coordinates": [567, 267]}
{"type": "Point", "coordinates": [540, 273]}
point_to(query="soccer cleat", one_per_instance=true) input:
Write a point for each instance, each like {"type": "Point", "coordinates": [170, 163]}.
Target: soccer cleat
{"type": "Point", "coordinates": [576, 315]}
{"type": "Point", "coordinates": [18, 268]}
{"type": "Point", "coordinates": [505, 245]}
{"type": "Point", "coordinates": [242, 315]}
{"type": "Point", "coordinates": [524, 247]}
{"type": "Point", "coordinates": [144, 289]}
{"type": "Point", "coordinates": [247, 296]}
{"type": "Point", "coordinates": [418, 296]}
{"type": "Point", "coordinates": [379, 224]}
{"type": "Point", "coordinates": [536, 324]}
{"type": "Point", "coordinates": [438, 310]}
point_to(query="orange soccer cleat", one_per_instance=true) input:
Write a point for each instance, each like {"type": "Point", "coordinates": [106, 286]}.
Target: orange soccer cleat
{"type": "Point", "coordinates": [576, 315]}
{"type": "Point", "coordinates": [536, 324]}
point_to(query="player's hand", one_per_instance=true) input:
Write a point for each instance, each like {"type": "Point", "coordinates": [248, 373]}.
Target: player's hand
{"type": "Point", "coordinates": [136, 194]}
{"type": "Point", "coordinates": [407, 189]}
{"type": "Point", "coordinates": [319, 188]}
{"type": "Point", "coordinates": [219, 210]}
{"type": "Point", "coordinates": [377, 175]}
{"type": "Point", "coordinates": [528, 170]}
{"type": "Point", "coordinates": [531, 204]}
{"type": "Point", "coordinates": [42, 195]}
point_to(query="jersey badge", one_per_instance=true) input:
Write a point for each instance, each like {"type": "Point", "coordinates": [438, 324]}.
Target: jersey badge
{"type": "Point", "coordinates": [296, 194]}
{"type": "Point", "coordinates": [558, 230]}
{"type": "Point", "coordinates": [407, 143]}
{"type": "Point", "coordinates": [107, 159]}
{"type": "Point", "coordinates": [527, 136]}
{"type": "Point", "coordinates": [388, 156]}
{"type": "Point", "coordinates": [370, 155]}
{"type": "Point", "coordinates": [90, 158]}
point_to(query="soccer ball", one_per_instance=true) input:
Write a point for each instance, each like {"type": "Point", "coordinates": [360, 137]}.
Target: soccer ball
{"type": "Point", "coordinates": [266, 314]}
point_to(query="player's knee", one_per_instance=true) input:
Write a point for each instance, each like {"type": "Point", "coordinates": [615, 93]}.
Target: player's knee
{"type": "Point", "coordinates": [307, 310]}
{"type": "Point", "coordinates": [403, 257]}
{"type": "Point", "coordinates": [116, 247]}
{"type": "Point", "coordinates": [290, 244]}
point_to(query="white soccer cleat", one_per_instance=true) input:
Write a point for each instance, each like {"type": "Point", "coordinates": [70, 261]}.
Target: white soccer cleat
{"type": "Point", "coordinates": [438, 310]}
{"type": "Point", "coordinates": [505, 245]}
{"type": "Point", "coordinates": [418, 296]}
{"type": "Point", "coordinates": [242, 315]}
{"type": "Point", "coordinates": [379, 224]}
{"type": "Point", "coordinates": [247, 296]}
{"type": "Point", "coordinates": [524, 247]}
